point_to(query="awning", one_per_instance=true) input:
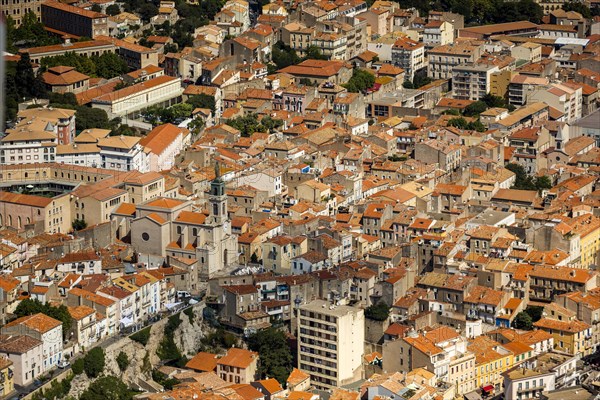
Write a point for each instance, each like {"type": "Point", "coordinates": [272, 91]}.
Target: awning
{"type": "Point", "coordinates": [125, 322]}
{"type": "Point", "coordinates": [171, 306]}
{"type": "Point", "coordinates": [488, 388]}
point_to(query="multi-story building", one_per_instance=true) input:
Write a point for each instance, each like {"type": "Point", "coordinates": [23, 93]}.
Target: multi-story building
{"type": "Point", "coordinates": [36, 134]}
{"type": "Point", "coordinates": [163, 90]}
{"type": "Point", "coordinates": [566, 99]}
{"type": "Point", "coordinates": [74, 20]}
{"type": "Point", "coordinates": [85, 48]}
{"type": "Point", "coordinates": [529, 145]}
{"type": "Point", "coordinates": [238, 366]}
{"type": "Point", "coordinates": [443, 351]}
{"type": "Point", "coordinates": [438, 33]}
{"type": "Point", "coordinates": [7, 382]}
{"type": "Point", "coordinates": [330, 343]}
{"type": "Point", "coordinates": [442, 59]}
{"type": "Point", "coordinates": [409, 55]}
{"type": "Point", "coordinates": [44, 328]}
{"type": "Point", "coordinates": [26, 355]}
{"type": "Point", "coordinates": [472, 81]}
{"type": "Point", "coordinates": [17, 9]}
{"type": "Point", "coordinates": [521, 85]}
{"type": "Point", "coordinates": [492, 359]}
{"type": "Point", "coordinates": [123, 153]}
{"type": "Point", "coordinates": [572, 336]}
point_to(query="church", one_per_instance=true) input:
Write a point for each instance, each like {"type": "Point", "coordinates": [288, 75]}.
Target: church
{"type": "Point", "coordinates": [176, 230]}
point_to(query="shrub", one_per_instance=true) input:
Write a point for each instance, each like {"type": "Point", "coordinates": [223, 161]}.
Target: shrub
{"type": "Point", "coordinates": [378, 312]}
{"type": "Point", "coordinates": [190, 313]}
{"type": "Point", "coordinates": [93, 362]}
{"type": "Point", "coordinates": [122, 361]}
{"type": "Point", "coordinates": [141, 336]}
{"type": "Point", "coordinates": [77, 366]}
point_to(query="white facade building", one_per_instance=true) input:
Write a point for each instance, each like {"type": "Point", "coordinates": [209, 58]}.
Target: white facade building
{"type": "Point", "coordinates": [330, 343]}
{"type": "Point", "coordinates": [123, 153]}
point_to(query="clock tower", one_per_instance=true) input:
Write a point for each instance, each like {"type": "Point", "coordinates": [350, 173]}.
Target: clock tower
{"type": "Point", "coordinates": [218, 199]}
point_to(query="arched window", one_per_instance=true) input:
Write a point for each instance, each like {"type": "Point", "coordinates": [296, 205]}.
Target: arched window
{"type": "Point", "coordinates": [179, 230]}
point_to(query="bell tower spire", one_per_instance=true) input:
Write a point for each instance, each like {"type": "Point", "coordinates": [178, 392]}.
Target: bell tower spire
{"type": "Point", "coordinates": [218, 198]}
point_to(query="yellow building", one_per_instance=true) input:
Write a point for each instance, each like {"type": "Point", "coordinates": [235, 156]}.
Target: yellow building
{"type": "Point", "coordinates": [588, 228]}
{"type": "Point", "coordinates": [499, 82]}
{"type": "Point", "coordinates": [491, 360]}
{"type": "Point", "coordinates": [572, 337]}
{"type": "Point", "coordinates": [7, 385]}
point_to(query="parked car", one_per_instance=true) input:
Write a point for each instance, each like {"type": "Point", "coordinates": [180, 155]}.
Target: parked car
{"type": "Point", "coordinates": [64, 364]}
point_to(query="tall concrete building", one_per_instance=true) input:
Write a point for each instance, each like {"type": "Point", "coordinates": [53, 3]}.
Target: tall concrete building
{"type": "Point", "coordinates": [17, 9]}
{"type": "Point", "coordinates": [330, 343]}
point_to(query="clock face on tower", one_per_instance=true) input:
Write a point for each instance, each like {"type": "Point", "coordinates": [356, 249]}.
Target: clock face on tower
{"type": "Point", "coordinates": [226, 226]}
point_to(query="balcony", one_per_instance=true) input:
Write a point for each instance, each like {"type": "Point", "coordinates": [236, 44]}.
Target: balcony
{"type": "Point", "coordinates": [531, 389]}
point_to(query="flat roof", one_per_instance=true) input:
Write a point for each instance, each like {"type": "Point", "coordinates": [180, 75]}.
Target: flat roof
{"type": "Point", "coordinates": [327, 308]}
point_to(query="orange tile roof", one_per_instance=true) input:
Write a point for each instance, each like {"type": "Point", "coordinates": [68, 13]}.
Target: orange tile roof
{"type": "Point", "coordinates": [161, 137]}
{"type": "Point", "coordinates": [239, 358]}
{"type": "Point", "coordinates": [80, 312]}
{"type": "Point", "coordinates": [38, 322]}
{"type": "Point", "coordinates": [203, 362]}
{"type": "Point", "coordinates": [164, 203]}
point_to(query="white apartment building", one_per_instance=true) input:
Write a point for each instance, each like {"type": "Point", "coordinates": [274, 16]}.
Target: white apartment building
{"type": "Point", "coordinates": [472, 81]}
{"type": "Point", "coordinates": [442, 59]}
{"type": "Point", "coordinates": [44, 328]}
{"type": "Point", "coordinates": [566, 99]}
{"type": "Point", "coordinates": [527, 383]}
{"type": "Point", "coordinates": [123, 153]}
{"type": "Point", "coordinates": [330, 343]}
{"type": "Point", "coordinates": [408, 55]}
{"type": "Point", "coordinates": [438, 33]}
{"type": "Point", "coordinates": [86, 154]}
{"type": "Point", "coordinates": [158, 91]}
{"type": "Point", "coordinates": [162, 144]}
{"type": "Point", "coordinates": [23, 146]}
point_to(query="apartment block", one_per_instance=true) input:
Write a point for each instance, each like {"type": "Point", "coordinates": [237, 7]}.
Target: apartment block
{"type": "Point", "coordinates": [442, 59]}
{"type": "Point", "coordinates": [330, 343]}
{"type": "Point", "coordinates": [17, 9]}
{"type": "Point", "coordinates": [408, 55]}
{"type": "Point", "coordinates": [472, 81]}
{"type": "Point", "coordinates": [74, 20]}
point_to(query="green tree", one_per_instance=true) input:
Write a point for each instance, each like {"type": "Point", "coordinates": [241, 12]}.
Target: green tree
{"type": "Point", "coordinates": [248, 124]}
{"type": "Point", "coordinates": [458, 122]}
{"type": "Point", "coordinates": [493, 101]}
{"type": "Point", "coordinates": [202, 101]}
{"type": "Point", "coordinates": [283, 55]}
{"type": "Point", "coordinates": [96, 8]}
{"type": "Point", "coordinates": [523, 321]}
{"type": "Point", "coordinates": [314, 53]}
{"type": "Point", "coordinates": [360, 81]}
{"type": "Point", "coordinates": [142, 336]}
{"type": "Point", "coordinates": [378, 312]}
{"type": "Point", "coordinates": [93, 362]}
{"type": "Point", "coordinates": [275, 355]}
{"type": "Point", "coordinates": [475, 108]}
{"type": "Point", "coordinates": [543, 182]}
{"type": "Point", "coordinates": [88, 118]}
{"type": "Point", "coordinates": [167, 349]}
{"type": "Point", "coordinates": [535, 312]}
{"type": "Point", "coordinates": [421, 80]}
{"type": "Point", "coordinates": [254, 258]}
{"type": "Point", "coordinates": [578, 7]}
{"type": "Point", "coordinates": [113, 9]}
{"type": "Point", "coordinates": [122, 361]}
{"type": "Point", "coordinates": [164, 380]}
{"type": "Point", "coordinates": [107, 388]}
{"type": "Point", "coordinates": [77, 366]}
{"type": "Point", "coordinates": [79, 224]}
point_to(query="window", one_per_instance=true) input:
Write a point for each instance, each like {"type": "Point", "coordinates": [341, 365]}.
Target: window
{"type": "Point", "coordinates": [145, 237]}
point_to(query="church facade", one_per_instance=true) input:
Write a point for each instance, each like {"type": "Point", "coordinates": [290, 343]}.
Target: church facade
{"type": "Point", "coordinates": [167, 228]}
